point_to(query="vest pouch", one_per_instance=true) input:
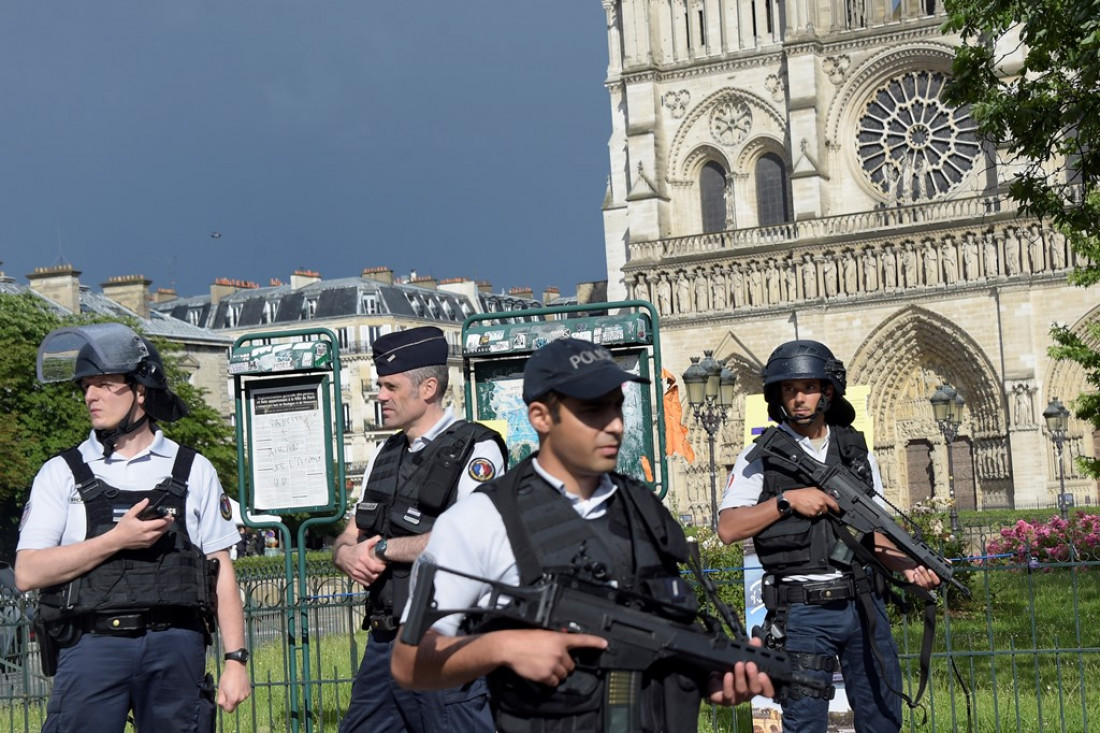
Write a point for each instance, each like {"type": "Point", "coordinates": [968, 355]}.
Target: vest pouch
{"type": "Point", "coordinates": [790, 536]}
{"type": "Point", "coordinates": [514, 697]}
{"type": "Point", "coordinates": [409, 519]}
{"type": "Point", "coordinates": [670, 700]}
{"type": "Point", "coordinates": [369, 516]}
{"type": "Point", "coordinates": [678, 601]}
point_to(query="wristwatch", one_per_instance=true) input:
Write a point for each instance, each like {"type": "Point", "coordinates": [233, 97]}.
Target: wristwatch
{"type": "Point", "coordinates": [380, 550]}
{"type": "Point", "coordinates": [782, 504]}
{"type": "Point", "coordinates": [241, 655]}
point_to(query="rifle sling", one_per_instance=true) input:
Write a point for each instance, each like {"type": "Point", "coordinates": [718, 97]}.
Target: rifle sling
{"type": "Point", "coordinates": [863, 593]}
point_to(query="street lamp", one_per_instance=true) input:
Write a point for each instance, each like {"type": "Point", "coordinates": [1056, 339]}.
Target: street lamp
{"type": "Point", "coordinates": [711, 388]}
{"type": "Point", "coordinates": [1057, 420]}
{"type": "Point", "coordinates": [947, 406]}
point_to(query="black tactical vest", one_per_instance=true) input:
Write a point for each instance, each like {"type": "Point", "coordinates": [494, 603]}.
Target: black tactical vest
{"type": "Point", "coordinates": [405, 494]}
{"type": "Point", "coordinates": [637, 545]}
{"type": "Point", "coordinates": [172, 573]}
{"type": "Point", "coordinates": [797, 545]}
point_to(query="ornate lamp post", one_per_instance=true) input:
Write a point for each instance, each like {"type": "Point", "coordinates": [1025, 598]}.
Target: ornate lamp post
{"type": "Point", "coordinates": [711, 388]}
{"type": "Point", "coordinates": [1057, 420]}
{"type": "Point", "coordinates": [947, 406]}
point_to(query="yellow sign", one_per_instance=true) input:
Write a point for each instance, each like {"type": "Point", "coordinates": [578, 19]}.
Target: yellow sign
{"type": "Point", "coordinates": [757, 420]}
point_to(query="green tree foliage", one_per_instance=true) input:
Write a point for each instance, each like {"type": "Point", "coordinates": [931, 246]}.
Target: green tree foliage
{"type": "Point", "coordinates": [38, 420]}
{"type": "Point", "coordinates": [1044, 114]}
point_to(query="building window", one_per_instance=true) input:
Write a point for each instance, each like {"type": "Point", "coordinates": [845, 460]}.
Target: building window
{"type": "Point", "coordinates": [378, 417]}
{"type": "Point", "coordinates": [347, 417]}
{"type": "Point", "coordinates": [771, 191]}
{"type": "Point", "coordinates": [370, 304]}
{"type": "Point", "coordinates": [913, 147]}
{"type": "Point", "coordinates": [342, 337]}
{"type": "Point", "coordinates": [712, 194]}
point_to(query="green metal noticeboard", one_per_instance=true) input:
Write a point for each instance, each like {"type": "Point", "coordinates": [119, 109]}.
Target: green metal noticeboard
{"type": "Point", "coordinates": [495, 354]}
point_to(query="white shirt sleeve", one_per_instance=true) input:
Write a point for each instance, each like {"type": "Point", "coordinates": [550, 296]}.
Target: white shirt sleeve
{"type": "Point", "coordinates": [745, 482]}
{"type": "Point", "coordinates": [51, 517]}
{"type": "Point", "coordinates": [485, 464]}
{"type": "Point", "coordinates": [208, 527]}
{"type": "Point", "coordinates": [469, 537]}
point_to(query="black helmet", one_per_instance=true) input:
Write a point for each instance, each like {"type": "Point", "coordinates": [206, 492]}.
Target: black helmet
{"type": "Point", "coordinates": [806, 359]}
{"type": "Point", "coordinates": [70, 354]}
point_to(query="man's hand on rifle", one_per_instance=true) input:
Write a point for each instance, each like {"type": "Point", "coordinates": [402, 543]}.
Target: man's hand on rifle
{"type": "Point", "coordinates": [745, 682]}
{"type": "Point", "coordinates": [811, 502]}
{"type": "Point", "coordinates": [542, 656]}
{"type": "Point", "coordinates": [894, 559]}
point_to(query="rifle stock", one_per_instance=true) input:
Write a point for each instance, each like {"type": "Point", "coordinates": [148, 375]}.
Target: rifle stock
{"type": "Point", "coordinates": [857, 509]}
{"type": "Point", "coordinates": [637, 639]}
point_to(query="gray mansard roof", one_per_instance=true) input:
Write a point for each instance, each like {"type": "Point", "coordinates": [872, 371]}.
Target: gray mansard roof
{"type": "Point", "coordinates": [327, 299]}
{"type": "Point", "coordinates": [157, 324]}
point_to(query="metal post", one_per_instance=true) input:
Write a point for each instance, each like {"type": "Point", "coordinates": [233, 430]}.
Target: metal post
{"type": "Point", "coordinates": [713, 484]}
{"type": "Point", "coordinates": [1062, 505]}
{"type": "Point", "coordinates": [954, 513]}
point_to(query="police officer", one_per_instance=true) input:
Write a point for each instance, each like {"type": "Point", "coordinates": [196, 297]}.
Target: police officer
{"type": "Point", "coordinates": [562, 511]}
{"type": "Point", "coordinates": [117, 534]}
{"type": "Point", "coordinates": [821, 605]}
{"type": "Point", "coordinates": [434, 460]}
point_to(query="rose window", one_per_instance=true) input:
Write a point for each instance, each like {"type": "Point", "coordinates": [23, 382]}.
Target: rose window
{"type": "Point", "coordinates": [912, 146]}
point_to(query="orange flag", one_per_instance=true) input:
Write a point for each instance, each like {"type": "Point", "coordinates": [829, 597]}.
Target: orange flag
{"type": "Point", "coordinates": [676, 433]}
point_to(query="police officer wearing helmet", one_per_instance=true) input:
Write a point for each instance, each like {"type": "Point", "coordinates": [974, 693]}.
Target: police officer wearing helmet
{"type": "Point", "coordinates": [565, 512]}
{"type": "Point", "coordinates": [127, 536]}
{"type": "Point", "coordinates": [434, 460]}
{"type": "Point", "coordinates": [821, 608]}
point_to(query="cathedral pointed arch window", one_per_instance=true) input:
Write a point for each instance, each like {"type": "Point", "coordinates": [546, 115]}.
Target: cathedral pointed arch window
{"type": "Point", "coordinates": [912, 146]}
{"type": "Point", "coordinates": [773, 203]}
{"type": "Point", "coordinates": [712, 197]}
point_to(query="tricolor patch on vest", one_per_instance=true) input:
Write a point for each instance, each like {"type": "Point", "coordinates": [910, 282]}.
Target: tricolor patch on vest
{"type": "Point", "coordinates": [481, 469]}
{"type": "Point", "coordinates": [223, 506]}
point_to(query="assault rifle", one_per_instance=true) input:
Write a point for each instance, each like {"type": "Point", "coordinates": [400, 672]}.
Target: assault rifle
{"type": "Point", "coordinates": [637, 639]}
{"type": "Point", "coordinates": [858, 509]}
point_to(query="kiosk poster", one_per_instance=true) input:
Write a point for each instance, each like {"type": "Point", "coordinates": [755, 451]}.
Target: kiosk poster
{"type": "Point", "coordinates": [499, 396]}
{"type": "Point", "coordinates": [288, 447]}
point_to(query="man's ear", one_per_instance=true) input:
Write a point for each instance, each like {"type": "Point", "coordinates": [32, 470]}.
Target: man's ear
{"type": "Point", "coordinates": [140, 393]}
{"type": "Point", "coordinates": [429, 389]}
{"type": "Point", "coordinates": [538, 414]}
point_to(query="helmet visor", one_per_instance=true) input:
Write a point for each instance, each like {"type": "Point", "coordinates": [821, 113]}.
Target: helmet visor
{"type": "Point", "coordinates": [103, 348]}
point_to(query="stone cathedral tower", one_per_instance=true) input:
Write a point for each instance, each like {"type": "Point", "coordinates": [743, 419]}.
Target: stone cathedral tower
{"type": "Point", "coordinates": [788, 168]}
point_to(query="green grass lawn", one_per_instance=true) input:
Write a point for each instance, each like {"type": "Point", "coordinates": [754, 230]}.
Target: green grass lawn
{"type": "Point", "coordinates": [1015, 645]}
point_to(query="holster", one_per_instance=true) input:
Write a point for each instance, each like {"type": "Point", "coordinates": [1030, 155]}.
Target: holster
{"type": "Point", "coordinates": [52, 638]}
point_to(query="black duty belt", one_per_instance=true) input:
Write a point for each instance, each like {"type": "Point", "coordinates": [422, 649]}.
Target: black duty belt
{"type": "Point", "coordinates": [137, 623]}
{"type": "Point", "coordinates": [817, 593]}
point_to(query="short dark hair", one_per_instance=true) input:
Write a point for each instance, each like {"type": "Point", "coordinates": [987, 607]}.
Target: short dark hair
{"type": "Point", "coordinates": [552, 400]}
{"type": "Point", "coordinates": [437, 371]}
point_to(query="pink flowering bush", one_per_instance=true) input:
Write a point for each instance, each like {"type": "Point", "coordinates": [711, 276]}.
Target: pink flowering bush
{"type": "Point", "coordinates": [1056, 540]}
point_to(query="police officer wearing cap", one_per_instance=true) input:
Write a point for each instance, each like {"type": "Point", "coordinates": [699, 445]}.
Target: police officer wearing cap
{"type": "Point", "coordinates": [822, 607]}
{"type": "Point", "coordinates": [563, 511]}
{"type": "Point", "coordinates": [118, 535]}
{"type": "Point", "coordinates": [433, 461]}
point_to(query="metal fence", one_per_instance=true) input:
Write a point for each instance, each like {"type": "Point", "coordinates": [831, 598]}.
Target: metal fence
{"type": "Point", "coordinates": [1023, 654]}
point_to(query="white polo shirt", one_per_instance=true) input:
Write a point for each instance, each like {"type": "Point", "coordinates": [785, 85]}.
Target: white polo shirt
{"type": "Point", "coordinates": [470, 537]}
{"type": "Point", "coordinates": [55, 513]}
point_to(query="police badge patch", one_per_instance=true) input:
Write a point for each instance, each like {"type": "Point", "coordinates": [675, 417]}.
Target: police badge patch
{"type": "Point", "coordinates": [481, 469]}
{"type": "Point", "coordinates": [225, 508]}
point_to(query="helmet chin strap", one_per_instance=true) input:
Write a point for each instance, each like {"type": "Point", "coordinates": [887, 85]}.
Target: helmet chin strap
{"type": "Point", "coordinates": [822, 408]}
{"type": "Point", "coordinates": [110, 438]}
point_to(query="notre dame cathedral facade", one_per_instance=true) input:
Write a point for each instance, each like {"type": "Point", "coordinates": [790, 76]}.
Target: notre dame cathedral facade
{"type": "Point", "coordinates": [789, 169]}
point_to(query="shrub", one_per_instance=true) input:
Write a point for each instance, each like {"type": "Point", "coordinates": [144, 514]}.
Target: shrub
{"type": "Point", "coordinates": [1054, 541]}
